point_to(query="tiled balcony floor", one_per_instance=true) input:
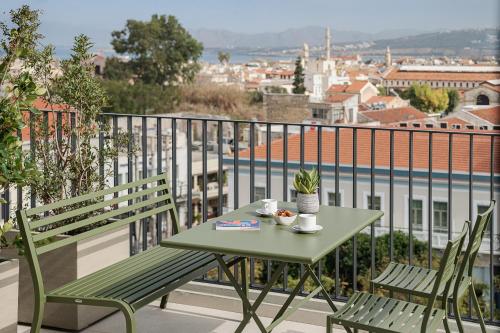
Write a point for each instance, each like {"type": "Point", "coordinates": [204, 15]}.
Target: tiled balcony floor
{"type": "Point", "coordinates": [178, 318]}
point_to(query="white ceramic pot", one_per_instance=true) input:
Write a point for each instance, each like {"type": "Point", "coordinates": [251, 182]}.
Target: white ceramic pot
{"type": "Point", "coordinates": [308, 203]}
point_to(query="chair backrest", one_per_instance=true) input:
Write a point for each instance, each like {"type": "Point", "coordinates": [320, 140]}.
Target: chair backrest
{"type": "Point", "coordinates": [446, 271]}
{"type": "Point", "coordinates": [475, 240]}
{"type": "Point", "coordinates": [90, 215]}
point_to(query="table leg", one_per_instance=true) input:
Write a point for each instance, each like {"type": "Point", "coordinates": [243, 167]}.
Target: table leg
{"type": "Point", "coordinates": [251, 309]}
{"type": "Point", "coordinates": [244, 281]}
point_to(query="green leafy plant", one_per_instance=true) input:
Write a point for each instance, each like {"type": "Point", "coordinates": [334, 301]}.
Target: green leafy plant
{"type": "Point", "coordinates": [67, 153]}
{"type": "Point", "coordinates": [21, 83]}
{"type": "Point", "coordinates": [306, 182]}
{"type": "Point", "coordinates": [4, 229]}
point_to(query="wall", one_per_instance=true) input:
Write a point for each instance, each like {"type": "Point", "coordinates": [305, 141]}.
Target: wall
{"type": "Point", "coordinates": [283, 107]}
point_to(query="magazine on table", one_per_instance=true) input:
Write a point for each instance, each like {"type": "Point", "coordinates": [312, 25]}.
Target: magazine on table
{"type": "Point", "coordinates": [247, 225]}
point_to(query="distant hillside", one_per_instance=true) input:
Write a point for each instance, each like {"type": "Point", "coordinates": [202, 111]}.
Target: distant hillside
{"type": "Point", "coordinates": [454, 40]}
{"type": "Point", "coordinates": [289, 38]}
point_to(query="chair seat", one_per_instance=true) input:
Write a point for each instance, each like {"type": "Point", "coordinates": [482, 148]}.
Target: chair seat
{"type": "Point", "coordinates": [385, 315]}
{"type": "Point", "coordinates": [139, 277]}
{"type": "Point", "coordinates": [415, 280]}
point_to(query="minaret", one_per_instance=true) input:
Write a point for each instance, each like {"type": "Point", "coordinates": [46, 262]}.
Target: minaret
{"type": "Point", "coordinates": [388, 57]}
{"type": "Point", "coordinates": [327, 43]}
{"type": "Point", "coordinates": [305, 56]}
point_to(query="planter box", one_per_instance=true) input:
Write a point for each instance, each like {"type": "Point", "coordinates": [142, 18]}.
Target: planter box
{"type": "Point", "coordinates": [9, 285]}
{"type": "Point", "coordinates": [67, 264]}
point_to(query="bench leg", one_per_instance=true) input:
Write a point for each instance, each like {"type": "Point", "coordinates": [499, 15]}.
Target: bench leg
{"type": "Point", "coordinates": [36, 324]}
{"type": "Point", "coordinates": [163, 303]}
{"type": "Point", "coordinates": [129, 319]}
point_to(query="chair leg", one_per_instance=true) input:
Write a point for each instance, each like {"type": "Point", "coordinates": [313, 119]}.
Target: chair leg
{"type": "Point", "coordinates": [129, 320]}
{"type": "Point", "coordinates": [446, 324]}
{"type": "Point", "coordinates": [163, 303]}
{"type": "Point", "coordinates": [36, 324]}
{"type": "Point", "coordinates": [477, 308]}
{"type": "Point", "coordinates": [456, 312]}
{"type": "Point", "coordinates": [328, 325]}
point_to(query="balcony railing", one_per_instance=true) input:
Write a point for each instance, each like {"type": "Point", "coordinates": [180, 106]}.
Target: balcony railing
{"type": "Point", "coordinates": [362, 166]}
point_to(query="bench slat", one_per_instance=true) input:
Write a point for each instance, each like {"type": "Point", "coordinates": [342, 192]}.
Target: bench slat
{"type": "Point", "coordinates": [126, 282]}
{"type": "Point", "coordinates": [98, 218]}
{"type": "Point", "coordinates": [182, 276]}
{"type": "Point", "coordinates": [87, 209]}
{"type": "Point", "coordinates": [116, 272]}
{"type": "Point", "coordinates": [155, 274]}
{"type": "Point", "coordinates": [93, 195]}
{"type": "Point", "coordinates": [52, 246]}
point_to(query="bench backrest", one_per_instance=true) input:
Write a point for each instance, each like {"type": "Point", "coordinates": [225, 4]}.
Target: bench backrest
{"type": "Point", "coordinates": [92, 214]}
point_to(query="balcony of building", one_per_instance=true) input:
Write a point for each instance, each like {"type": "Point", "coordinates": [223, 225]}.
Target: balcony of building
{"type": "Point", "coordinates": [427, 182]}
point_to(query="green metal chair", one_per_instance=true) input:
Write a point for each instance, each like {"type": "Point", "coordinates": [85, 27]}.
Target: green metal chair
{"type": "Point", "coordinates": [420, 281]}
{"type": "Point", "coordinates": [387, 315]}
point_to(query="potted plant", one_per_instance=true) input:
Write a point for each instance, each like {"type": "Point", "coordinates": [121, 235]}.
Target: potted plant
{"type": "Point", "coordinates": [9, 284]}
{"type": "Point", "coordinates": [57, 171]}
{"type": "Point", "coordinates": [306, 184]}
{"type": "Point", "coordinates": [18, 90]}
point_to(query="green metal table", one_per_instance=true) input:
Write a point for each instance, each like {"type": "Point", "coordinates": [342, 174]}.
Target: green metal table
{"type": "Point", "coordinates": [277, 243]}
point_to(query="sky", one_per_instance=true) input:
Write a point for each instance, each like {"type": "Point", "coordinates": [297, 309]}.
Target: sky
{"type": "Point", "coordinates": [63, 19]}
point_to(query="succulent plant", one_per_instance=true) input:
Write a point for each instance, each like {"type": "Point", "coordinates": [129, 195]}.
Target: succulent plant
{"type": "Point", "coordinates": [306, 182]}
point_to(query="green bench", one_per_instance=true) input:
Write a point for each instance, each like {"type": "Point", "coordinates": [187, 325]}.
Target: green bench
{"type": "Point", "coordinates": [127, 285]}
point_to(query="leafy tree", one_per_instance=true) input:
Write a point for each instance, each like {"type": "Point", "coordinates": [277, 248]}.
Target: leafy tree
{"type": "Point", "coordinates": [162, 52]}
{"type": "Point", "coordinates": [223, 57]}
{"type": "Point", "coordinates": [117, 69]}
{"type": "Point", "coordinates": [18, 92]}
{"type": "Point", "coordinates": [139, 97]}
{"type": "Point", "coordinates": [275, 90]}
{"type": "Point", "coordinates": [426, 99]}
{"type": "Point", "coordinates": [382, 91]}
{"type": "Point", "coordinates": [298, 81]}
{"type": "Point", "coordinates": [69, 162]}
{"type": "Point", "coordinates": [453, 100]}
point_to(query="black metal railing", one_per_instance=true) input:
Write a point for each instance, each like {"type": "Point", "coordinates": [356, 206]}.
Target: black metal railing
{"type": "Point", "coordinates": [163, 143]}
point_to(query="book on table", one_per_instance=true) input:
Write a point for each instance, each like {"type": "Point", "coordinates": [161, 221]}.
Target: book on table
{"type": "Point", "coordinates": [246, 225]}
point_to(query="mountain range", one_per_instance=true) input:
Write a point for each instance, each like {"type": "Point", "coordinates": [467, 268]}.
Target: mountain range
{"type": "Point", "coordinates": [313, 35]}
{"type": "Point", "coordinates": [455, 41]}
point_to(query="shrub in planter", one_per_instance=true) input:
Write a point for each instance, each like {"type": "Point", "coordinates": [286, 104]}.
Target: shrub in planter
{"type": "Point", "coordinates": [306, 184]}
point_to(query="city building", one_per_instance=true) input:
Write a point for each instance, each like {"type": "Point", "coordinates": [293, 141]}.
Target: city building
{"type": "Point", "coordinates": [421, 226]}
{"type": "Point", "coordinates": [486, 93]}
{"type": "Point", "coordinates": [457, 77]}
{"type": "Point", "coordinates": [363, 89]}
{"type": "Point", "coordinates": [338, 108]}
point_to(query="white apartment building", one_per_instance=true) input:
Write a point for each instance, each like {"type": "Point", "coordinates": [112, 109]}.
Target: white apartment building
{"type": "Point", "coordinates": [438, 209]}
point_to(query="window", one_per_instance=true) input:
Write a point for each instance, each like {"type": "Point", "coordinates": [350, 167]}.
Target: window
{"type": "Point", "coordinates": [417, 214]}
{"type": "Point", "coordinates": [332, 199]}
{"type": "Point", "coordinates": [337, 115]}
{"type": "Point", "coordinates": [293, 195]}
{"type": "Point", "coordinates": [440, 216]}
{"type": "Point", "coordinates": [319, 113]}
{"type": "Point", "coordinates": [260, 193]}
{"type": "Point", "coordinates": [377, 205]}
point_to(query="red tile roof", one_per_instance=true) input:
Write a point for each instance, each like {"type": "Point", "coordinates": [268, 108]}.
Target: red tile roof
{"type": "Point", "coordinates": [396, 74]}
{"type": "Point", "coordinates": [339, 98]}
{"type": "Point", "coordinates": [491, 115]}
{"type": "Point", "coordinates": [460, 160]}
{"type": "Point", "coordinates": [455, 121]}
{"type": "Point", "coordinates": [491, 86]}
{"type": "Point", "coordinates": [395, 115]}
{"type": "Point", "coordinates": [354, 88]}
{"type": "Point", "coordinates": [380, 99]}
